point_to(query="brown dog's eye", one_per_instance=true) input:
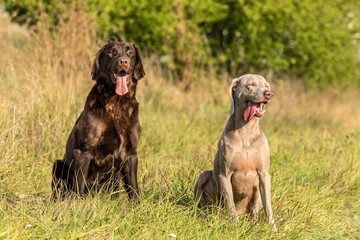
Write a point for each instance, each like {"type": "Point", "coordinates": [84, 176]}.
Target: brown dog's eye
{"type": "Point", "coordinates": [112, 53]}
{"type": "Point", "coordinates": [129, 52]}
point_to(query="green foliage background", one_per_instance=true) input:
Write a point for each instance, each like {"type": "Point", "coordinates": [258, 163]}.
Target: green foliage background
{"type": "Point", "coordinates": [317, 41]}
{"type": "Point", "coordinates": [314, 134]}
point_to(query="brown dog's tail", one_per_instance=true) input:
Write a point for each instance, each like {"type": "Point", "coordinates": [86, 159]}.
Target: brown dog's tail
{"type": "Point", "coordinates": [61, 179]}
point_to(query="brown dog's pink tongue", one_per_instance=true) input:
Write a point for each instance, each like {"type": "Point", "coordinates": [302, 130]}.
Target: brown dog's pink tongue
{"type": "Point", "coordinates": [121, 87]}
{"type": "Point", "coordinates": [250, 111]}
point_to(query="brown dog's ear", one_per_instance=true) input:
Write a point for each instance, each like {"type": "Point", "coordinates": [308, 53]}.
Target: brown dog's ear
{"type": "Point", "coordinates": [95, 72]}
{"type": "Point", "coordinates": [139, 72]}
{"type": "Point", "coordinates": [233, 85]}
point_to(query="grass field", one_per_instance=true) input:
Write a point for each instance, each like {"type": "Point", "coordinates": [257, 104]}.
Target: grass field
{"type": "Point", "coordinates": [314, 139]}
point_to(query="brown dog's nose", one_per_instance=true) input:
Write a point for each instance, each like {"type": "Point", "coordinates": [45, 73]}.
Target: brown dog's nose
{"type": "Point", "coordinates": [268, 94]}
{"type": "Point", "coordinates": [123, 62]}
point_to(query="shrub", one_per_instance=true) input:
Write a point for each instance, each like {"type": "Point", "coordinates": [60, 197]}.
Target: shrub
{"type": "Point", "coordinates": [310, 39]}
{"type": "Point", "coordinates": [314, 40]}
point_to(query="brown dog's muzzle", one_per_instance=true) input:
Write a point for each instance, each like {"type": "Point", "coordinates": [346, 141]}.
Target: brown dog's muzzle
{"type": "Point", "coordinates": [120, 75]}
{"type": "Point", "coordinates": [121, 63]}
{"type": "Point", "coordinates": [124, 63]}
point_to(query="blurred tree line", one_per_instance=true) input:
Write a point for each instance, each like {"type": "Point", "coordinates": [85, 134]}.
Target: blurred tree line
{"type": "Point", "coordinates": [317, 41]}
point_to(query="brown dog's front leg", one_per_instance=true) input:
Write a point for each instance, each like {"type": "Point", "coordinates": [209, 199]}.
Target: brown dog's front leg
{"type": "Point", "coordinates": [227, 194]}
{"type": "Point", "coordinates": [129, 172]}
{"type": "Point", "coordinates": [81, 167]}
{"type": "Point", "coordinates": [265, 192]}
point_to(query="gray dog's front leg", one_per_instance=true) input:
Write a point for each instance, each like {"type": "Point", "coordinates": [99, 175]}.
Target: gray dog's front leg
{"type": "Point", "coordinates": [227, 194]}
{"type": "Point", "coordinates": [265, 191]}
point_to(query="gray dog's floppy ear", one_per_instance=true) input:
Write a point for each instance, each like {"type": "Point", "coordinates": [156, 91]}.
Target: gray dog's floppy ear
{"type": "Point", "coordinates": [139, 72]}
{"type": "Point", "coordinates": [95, 72]}
{"type": "Point", "coordinates": [233, 85]}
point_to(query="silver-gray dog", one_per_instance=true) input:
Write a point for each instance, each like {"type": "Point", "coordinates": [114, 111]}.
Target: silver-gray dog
{"type": "Point", "coordinates": [241, 166]}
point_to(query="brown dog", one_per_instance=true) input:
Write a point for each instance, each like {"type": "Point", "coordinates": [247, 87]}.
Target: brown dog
{"type": "Point", "coordinates": [241, 166]}
{"type": "Point", "coordinates": [101, 151]}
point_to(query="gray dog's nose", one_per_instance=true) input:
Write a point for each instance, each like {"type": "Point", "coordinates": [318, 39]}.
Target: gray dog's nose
{"type": "Point", "coordinates": [268, 94]}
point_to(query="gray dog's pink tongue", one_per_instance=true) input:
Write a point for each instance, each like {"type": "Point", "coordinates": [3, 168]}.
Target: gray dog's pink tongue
{"type": "Point", "coordinates": [250, 111]}
{"type": "Point", "coordinates": [121, 87]}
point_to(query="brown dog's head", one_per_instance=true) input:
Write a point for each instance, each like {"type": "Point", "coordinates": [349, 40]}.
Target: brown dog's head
{"type": "Point", "coordinates": [251, 93]}
{"type": "Point", "coordinates": [119, 66]}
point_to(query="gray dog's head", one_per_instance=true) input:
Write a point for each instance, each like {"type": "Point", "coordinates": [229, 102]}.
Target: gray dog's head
{"type": "Point", "coordinates": [250, 93]}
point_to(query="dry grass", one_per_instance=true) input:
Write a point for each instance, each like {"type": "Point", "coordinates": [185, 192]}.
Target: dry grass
{"type": "Point", "coordinates": [313, 134]}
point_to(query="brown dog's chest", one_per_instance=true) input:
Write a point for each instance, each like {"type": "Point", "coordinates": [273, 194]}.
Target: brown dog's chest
{"type": "Point", "coordinates": [121, 115]}
{"type": "Point", "coordinates": [112, 123]}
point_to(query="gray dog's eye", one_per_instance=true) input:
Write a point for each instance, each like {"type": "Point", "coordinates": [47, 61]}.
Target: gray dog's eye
{"type": "Point", "coordinates": [252, 84]}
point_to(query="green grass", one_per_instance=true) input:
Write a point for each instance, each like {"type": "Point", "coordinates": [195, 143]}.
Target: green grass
{"type": "Point", "coordinates": [314, 139]}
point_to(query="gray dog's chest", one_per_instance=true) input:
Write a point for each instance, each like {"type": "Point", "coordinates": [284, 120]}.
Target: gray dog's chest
{"type": "Point", "coordinates": [244, 161]}
{"type": "Point", "coordinates": [242, 156]}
